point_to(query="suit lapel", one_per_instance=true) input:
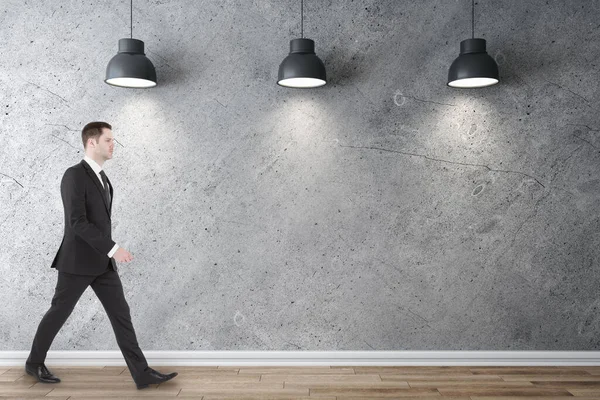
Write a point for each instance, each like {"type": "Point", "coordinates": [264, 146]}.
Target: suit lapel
{"type": "Point", "coordinates": [98, 184]}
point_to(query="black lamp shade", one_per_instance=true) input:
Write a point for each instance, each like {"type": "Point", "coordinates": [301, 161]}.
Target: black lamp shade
{"type": "Point", "coordinates": [474, 67]}
{"type": "Point", "coordinates": [130, 67]}
{"type": "Point", "coordinates": [302, 68]}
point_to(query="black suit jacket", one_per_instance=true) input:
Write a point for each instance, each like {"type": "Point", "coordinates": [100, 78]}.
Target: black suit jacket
{"type": "Point", "coordinates": [87, 239]}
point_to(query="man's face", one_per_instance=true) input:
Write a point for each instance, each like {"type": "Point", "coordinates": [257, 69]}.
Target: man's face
{"type": "Point", "coordinates": [105, 146]}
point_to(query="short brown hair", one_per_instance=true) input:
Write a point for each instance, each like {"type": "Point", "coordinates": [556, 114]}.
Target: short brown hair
{"type": "Point", "coordinates": [93, 130]}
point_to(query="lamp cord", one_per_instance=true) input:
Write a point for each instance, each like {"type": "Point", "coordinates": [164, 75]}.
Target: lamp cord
{"type": "Point", "coordinates": [131, 19]}
{"type": "Point", "coordinates": [473, 18]}
{"type": "Point", "coordinates": [302, 18]}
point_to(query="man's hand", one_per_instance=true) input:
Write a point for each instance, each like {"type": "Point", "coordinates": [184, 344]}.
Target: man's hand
{"type": "Point", "coordinates": [122, 255]}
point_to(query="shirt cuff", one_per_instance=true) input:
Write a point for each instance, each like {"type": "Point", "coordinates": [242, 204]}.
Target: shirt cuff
{"type": "Point", "coordinates": [113, 250]}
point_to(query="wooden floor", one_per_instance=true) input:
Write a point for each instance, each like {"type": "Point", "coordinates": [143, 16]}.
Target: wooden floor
{"type": "Point", "coordinates": [331, 383]}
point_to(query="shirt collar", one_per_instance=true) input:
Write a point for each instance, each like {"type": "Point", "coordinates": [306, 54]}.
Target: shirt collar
{"type": "Point", "coordinates": [93, 164]}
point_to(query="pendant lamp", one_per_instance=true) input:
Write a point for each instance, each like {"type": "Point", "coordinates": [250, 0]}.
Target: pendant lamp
{"type": "Point", "coordinates": [130, 67]}
{"type": "Point", "coordinates": [302, 68]}
{"type": "Point", "coordinates": [474, 67]}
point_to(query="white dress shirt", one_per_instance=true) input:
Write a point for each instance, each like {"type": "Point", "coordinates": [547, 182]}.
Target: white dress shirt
{"type": "Point", "coordinates": [97, 170]}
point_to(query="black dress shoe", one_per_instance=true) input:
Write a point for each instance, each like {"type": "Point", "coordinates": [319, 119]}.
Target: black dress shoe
{"type": "Point", "coordinates": [152, 376]}
{"type": "Point", "coordinates": [41, 373]}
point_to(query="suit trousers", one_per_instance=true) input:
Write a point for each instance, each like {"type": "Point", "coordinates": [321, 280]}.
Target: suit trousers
{"type": "Point", "coordinates": [109, 290]}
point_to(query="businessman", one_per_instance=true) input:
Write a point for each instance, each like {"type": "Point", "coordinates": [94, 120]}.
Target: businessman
{"type": "Point", "coordinates": [86, 257]}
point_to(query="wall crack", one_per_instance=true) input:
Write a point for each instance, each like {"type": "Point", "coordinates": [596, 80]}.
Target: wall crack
{"type": "Point", "coordinates": [18, 183]}
{"type": "Point", "coordinates": [446, 161]}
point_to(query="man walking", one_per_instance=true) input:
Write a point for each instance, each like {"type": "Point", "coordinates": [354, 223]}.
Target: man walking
{"type": "Point", "coordinates": [86, 257]}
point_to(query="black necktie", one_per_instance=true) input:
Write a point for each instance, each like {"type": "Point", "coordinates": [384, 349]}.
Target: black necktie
{"type": "Point", "coordinates": [106, 189]}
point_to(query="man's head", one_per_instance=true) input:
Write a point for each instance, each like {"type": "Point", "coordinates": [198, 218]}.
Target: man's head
{"type": "Point", "coordinates": [98, 142]}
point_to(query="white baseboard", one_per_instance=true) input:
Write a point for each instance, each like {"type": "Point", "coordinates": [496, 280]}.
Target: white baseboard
{"type": "Point", "coordinates": [316, 358]}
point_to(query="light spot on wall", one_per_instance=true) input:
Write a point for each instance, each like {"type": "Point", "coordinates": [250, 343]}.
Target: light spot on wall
{"type": "Point", "coordinates": [239, 319]}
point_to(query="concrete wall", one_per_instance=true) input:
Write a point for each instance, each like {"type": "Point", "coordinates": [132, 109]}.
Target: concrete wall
{"type": "Point", "coordinates": [384, 211]}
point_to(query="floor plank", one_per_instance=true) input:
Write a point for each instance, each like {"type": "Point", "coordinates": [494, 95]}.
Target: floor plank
{"type": "Point", "coordinates": [115, 392]}
{"type": "Point", "coordinates": [374, 393]}
{"type": "Point", "coordinates": [225, 391]}
{"type": "Point", "coordinates": [533, 391]}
